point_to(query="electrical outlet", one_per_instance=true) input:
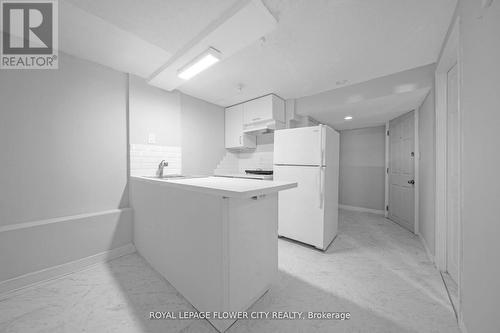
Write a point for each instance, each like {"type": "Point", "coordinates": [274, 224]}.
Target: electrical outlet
{"type": "Point", "coordinates": [151, 138]}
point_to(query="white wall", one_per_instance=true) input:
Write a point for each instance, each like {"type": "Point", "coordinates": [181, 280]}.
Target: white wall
{"type": "Point", "coordinates": [480, 105]}
{"type": "Point", "coordinates": [202, 135]}
{"type": "Point", "coordinates": [427, 170]}
{"type": "Point", "coordinates": [63, 135]}
{"type": "Point", "coordinates": [362, 165]}
{"type": "Point", "coordinates": [177, 121]}
{"type": "Point", "coordinates": [154, 111]}
{"type": "Point", "coordinates": [63, 152]}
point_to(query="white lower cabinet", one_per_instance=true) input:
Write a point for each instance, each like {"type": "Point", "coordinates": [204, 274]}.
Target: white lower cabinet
{"type": "Point", "coordinates": [234, 136]}
{"type": "Point", "coordinates": [220, 253]}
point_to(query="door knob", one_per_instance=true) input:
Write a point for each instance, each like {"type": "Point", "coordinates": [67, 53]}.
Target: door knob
{"type": "Point", "coordinates": [412, 182]}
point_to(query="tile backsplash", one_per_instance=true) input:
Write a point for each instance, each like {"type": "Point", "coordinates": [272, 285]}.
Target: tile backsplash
{"type": "Point", "coordinates": [259, 158]}
{"type": "Point", "coordinates": [144, 159]}
{"type": "Point", "coordinates": [228, 165]}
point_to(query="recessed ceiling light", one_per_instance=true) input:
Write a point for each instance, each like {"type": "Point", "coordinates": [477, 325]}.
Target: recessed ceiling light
{"type": "Point", "coordinates": [348, 118]}
{"type": "Point", "coordinates": [199, 64]}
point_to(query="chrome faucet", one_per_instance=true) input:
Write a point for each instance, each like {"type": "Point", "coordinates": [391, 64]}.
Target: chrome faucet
{"type": "Point", "coordinates": [162, 164]}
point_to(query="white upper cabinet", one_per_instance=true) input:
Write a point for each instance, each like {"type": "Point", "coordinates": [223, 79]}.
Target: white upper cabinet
{"type": "Point", "coordinates": [266, 108]}
{"type": "Point", "coordinates": [234, 136]}
{"type": "Point", "coordinates": [245, 120]}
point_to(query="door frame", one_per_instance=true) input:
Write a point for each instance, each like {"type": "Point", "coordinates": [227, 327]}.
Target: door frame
{"type": "Point", "coordinates": [450, 56]}
{"type": "Point", "coordinates": [416, 176]}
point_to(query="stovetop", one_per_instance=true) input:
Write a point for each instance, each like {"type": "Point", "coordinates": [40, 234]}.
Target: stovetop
{"type": "Point", "coordinates": [259, 172]}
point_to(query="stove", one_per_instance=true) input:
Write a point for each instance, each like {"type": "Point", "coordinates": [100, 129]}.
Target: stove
{"type": "Point", "coordinates": [249, 174]}
{"type": "Point", "coordinates": [259, 172]}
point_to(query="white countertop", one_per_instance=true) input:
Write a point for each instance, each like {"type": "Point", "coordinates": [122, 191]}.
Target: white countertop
{"type": "Point", "coordinates": [226, 187]}
{"type": "Point", "coordinates": [244, 175]}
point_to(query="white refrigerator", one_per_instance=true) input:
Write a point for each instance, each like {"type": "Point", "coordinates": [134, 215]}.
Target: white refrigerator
{"type": "Point", "coordinates": [310, 157]}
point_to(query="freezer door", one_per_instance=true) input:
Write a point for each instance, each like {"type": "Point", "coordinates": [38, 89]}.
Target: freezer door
{"type": "Point", "coordinates": [301, 209]}
{"type": "Point", "coordinates": [298, 146]}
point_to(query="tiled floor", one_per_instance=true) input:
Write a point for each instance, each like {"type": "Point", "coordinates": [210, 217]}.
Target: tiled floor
{"type": "Point", "coordinates": [375, 270]}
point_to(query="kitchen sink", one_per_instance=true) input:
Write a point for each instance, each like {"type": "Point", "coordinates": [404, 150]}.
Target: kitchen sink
{"type": "Point", "coordinates": [173, 177]}
{"type": "Point", "coordinates": [167, 177]}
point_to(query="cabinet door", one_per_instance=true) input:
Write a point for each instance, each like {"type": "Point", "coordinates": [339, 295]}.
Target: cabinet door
{"type": "Point", "coordinates": [234, 126]}
{"type": "Point", "coordinates": [258, 109]}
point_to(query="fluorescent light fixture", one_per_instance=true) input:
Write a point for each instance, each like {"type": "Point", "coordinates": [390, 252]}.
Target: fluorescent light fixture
{"type": "Point", "coordinates": [348, 118]}
{"type": "Point", "coordinates": [199, 64]}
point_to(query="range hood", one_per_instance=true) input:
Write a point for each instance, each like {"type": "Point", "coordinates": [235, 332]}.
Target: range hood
{"type": "Point", "coordinates": [263, 127]}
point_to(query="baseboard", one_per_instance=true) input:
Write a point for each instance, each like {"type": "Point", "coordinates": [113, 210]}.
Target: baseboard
{"type": "Point", "coordinates": [16, 284]}
{"type": "Point", "coordinates": [362, 209]}
{"type": "Point", "coordinates": [461, 324]}
{"type": "Point", "coordinates": [427, 250]}
{"type": "Point", "coordinates": [35, 251]}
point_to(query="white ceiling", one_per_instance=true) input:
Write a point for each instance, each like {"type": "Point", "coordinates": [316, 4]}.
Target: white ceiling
{"type": "Point", "coordinates": [316, 43]}
{"type": "Point", "coordinates": [236, 29]}
{"type": "Point", "coordinates": [372, 112]}
{"type": "Point", "coordinates": [169, 24]}
{"type": "Point", "coordinates": [370, 103]}
{"type": "Point", "coordinates": [90, 37]}
{"type": "Point", "coordinates": [317, 46]}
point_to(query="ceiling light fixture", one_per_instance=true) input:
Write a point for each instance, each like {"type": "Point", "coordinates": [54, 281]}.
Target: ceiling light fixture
{"type": "Point", "coordinates": [199, 64]}
{"type": "Point", "coordinates": [348, 118]}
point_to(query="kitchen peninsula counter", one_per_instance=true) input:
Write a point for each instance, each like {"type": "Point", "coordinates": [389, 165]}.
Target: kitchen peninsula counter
{"type": "Point", "coordinates": [214, 239]}
{"type": "Point", "coordinates": [223, 186]}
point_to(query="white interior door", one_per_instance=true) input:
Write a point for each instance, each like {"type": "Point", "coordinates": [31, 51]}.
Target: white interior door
{"type": "Point", "coordinates": [402, 171]}
{"type": "Point", "coordinates": [452, 174]}
{"type": "Point", "coordinates": [301, 209]}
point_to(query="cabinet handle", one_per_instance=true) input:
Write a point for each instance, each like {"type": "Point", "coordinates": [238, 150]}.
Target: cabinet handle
{"type": "Point", "coordinates": [240, 139]}
{"type": "Point", "coordinates": [254, 119]}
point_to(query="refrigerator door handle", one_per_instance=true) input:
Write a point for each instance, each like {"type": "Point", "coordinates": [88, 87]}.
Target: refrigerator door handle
{"type": "Point", "coordinates": [322, 162]}
{"type": "Point", "coordinates": [320, 171]}
{"type": "Point", "coordinates": [321, 181]}
{"type": "Point", "coordinates": [321, 145]}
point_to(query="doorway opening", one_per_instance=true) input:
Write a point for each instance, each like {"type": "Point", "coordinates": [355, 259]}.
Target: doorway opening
{"type": "Point", "coordinates": [448, 169]}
